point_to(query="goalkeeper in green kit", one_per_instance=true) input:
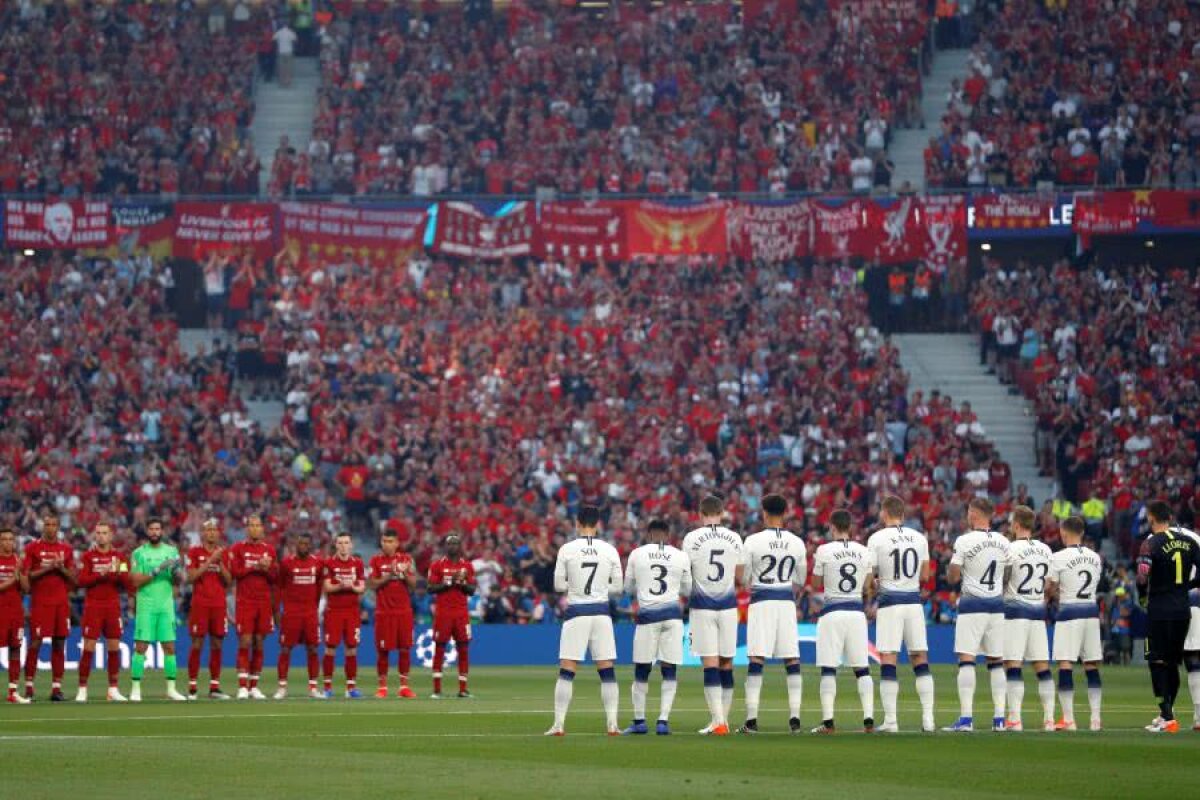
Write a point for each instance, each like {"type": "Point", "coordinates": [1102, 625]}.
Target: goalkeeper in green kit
{"type": "Point", "coordinates": [155, 571]}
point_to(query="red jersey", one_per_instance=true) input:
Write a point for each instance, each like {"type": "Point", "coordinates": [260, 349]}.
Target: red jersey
{"type": "Point", "coordinates": [209, 589]}
{"type": "Point", "coordinates": [253, 582]}
{"type": "Point", "coordinates": [300, 584]}
{"type": "Point", "coordinates": [10, 598]}
{"type": "Point", "coordinates": [392, 597]}
{"type": "Point", "coordinates": [442, 571]}
{"type": "Point", "coordinates": [337, 569]}
{"type": "Point", "coordinates": [105, 575]}
{"type": "Point", "coordinates": [51, 588]}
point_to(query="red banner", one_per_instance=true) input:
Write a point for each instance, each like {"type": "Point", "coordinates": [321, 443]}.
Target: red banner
{"type": "Point", "coordinates": [1122, 211]}
{"type": "Point", "coordinates": [842, 231]}
{"type": "Point", "coordinates": [895, 226]}
{"type": "Point", "coordinates": [655, 229]}
{"type": "Point", "coordinates": [65, 224]}
{"type": "Point", "coordinates": [1013, 211]}
{"type": "Point", "coordinates": [464, 230]}
{"type": "Point", "coordinates": [1174, 209]}
{"type": "Point", "coordinates": [770, 231]}
{"type": "Point", "coordinates": [944, 229]}
{"type": "Point", "coordinates": [382, 235]}
{"type": "Point", "coordinates": [203, 227]}
{"type": "Point", "coordinates": [581, 229]}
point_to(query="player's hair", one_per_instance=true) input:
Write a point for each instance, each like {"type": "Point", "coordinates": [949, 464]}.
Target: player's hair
{"type": "Point", "coordinates": [155, 521]}
{"type": "Point", "coordinates": [48, 511]}
{"type": "Point", "coordinates": [657, 525]}
{"type": "Point", "coordinates": [251, 517]}
{"type": "Point", "coordinates": [711, 506]}
{"type": "Point", "coordinates": [211, 522]}
{"type": "Point", "coordinates": [983, 506]}
{"type": "Point", "coordinates": [1073, 525]}
{"type": "Point", "coordinates": [1023, 516]}
{"type": "Point", "coordinates": [893, 506]}
{"type": "Point", "coordinates": [6, 529]}
{"type": "Point", "coordinates": [841, 520]}
{"type": "Point", "coordinates": [1160, 511]}
{"type": "Point", "coordinates": [345, 534]}
{"type": "Point", "coordinates": [775, 505]}
{"type": "Point", "coordinates": [303, 535]}
{"type": "Point", "coordinates": [388, 533]}
{"type": "Point", "coordinates": [589, 517]}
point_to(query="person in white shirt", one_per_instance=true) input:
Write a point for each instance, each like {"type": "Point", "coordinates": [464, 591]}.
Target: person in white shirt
{"type": "Point", "coordinates": [978, 562]}
{"type": "Point", "coordinates": [715, 553]}
{"type": "Point", "coordinates": [658, 575]}
{"type": "Point", "coordinates": [1025, 637]}
{"type": "Point", "coordinates": [1074, 572]}
{"type": "Point", "coordinates": [842, 571]}
{"type": "Point", "coordinates": [588, 571]}
{"type": "Point", "coordinates": [862, 168]}
{"type": "Point", "coordinates": [775, 564]}
{"type": "Point", "coordinates": [900, 562]}
{"type": "Point", "coordinates": [285, 47]}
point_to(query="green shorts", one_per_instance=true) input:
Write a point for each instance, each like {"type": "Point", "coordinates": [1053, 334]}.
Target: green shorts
{"type": "Point", "coordinates": [154, 626]}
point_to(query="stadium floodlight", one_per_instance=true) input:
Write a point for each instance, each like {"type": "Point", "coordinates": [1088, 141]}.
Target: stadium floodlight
{"type": "Point", "coordinates": [28, 252]}
{"type": "Point", "coordinates": [986, 246]}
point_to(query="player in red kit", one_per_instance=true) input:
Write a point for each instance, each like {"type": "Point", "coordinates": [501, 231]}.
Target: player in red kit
{"type": "Point", "coordinates": [393, 578]}
{"type": "Point", "coordinates": [300, 591]}
{"type": "Point", "coordinates": [252, 565]}
{"type": "Point", "coordinates": [210, 578]}
{"type": "Point", "coordinates": [49, 567]}
{"type": "Point", "coordinates": [345, 582]}
{"type": "Point", "coordinates": [451, 582]}
{"type": "Point", "coordinates": [104, 575]}
{"type": "Point", "coordinates": [12, 613]}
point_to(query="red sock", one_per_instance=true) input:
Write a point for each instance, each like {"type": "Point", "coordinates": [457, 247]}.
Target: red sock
{"type": "Point", "coordinates": [351, 670]}
{"type": "Point", "coordinates": [14, 666]}
{"type": "Point", "coordinates": [58, 661]}
{"type": "Point", "coordinates": [256, 665]}
{"type": "Point", "coordinates": [285, 661]}
{"type": "Point", "coordinates": [85, 668]}
{"type": "Point", "coordinates": [328, 670]}
{"type": "Point", "coordinates": [194, 665]}
{"type": "Point", "coordinates": [313, 668]}
{"type": "Point", "coordinates": [403, 665]}
{"type": "Point", "coordinates": [381, 666]}
{"type": "Point", "coordinates": [113, 664]}
{"type": "Point", "coordinates": [464, 663]}
{"type": "Point", "coordinates": [214, 666]}
{"type": "Point", "coordinates": [243, 667]}
{"type": "Point", "coordinates": [439, 658]}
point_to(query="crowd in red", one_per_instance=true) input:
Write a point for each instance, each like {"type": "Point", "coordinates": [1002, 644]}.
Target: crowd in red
{"type": "Point", "coordinates": [1075, 93]}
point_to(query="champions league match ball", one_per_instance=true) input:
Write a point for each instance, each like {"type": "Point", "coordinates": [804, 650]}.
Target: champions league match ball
{"type": "Point", "coordinates": [423, 650]}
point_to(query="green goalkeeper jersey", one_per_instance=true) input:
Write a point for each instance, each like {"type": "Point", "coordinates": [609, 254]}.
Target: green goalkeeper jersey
{"type": "Point", "coordinates": [159, 593]}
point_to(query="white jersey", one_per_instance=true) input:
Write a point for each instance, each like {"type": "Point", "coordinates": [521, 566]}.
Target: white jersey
{"type": "Point", "coordinates": [1028, 564]}
{"type": "Point", "coordinates": [775, 561]}
{"type": "Point", "coordinates": [1076, 570]}
{"type": "Point", "coordinates": [896, 556]}
{"type": "Point", "coordinates": [715, 553]}
{"type": "Point", "coordinates": [658, 574]}
{"type": "Point", "coordinates": [981, 555]}
{"type": "Point", "coordinates": [588, 570]}
{"type": "Point", "coordinates": [845, 568]}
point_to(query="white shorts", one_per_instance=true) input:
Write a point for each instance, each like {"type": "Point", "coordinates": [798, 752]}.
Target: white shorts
{"type": "Point", "coordinates": [842, 638]}
{"type": "Point", "coordinates": [980, 633]}
{"type": "Point", "coordinates": [1078, 639]}
{"type": "Point", "coordinates": [901, 625]}
{"type": "Point", "coordinates": [771, 630]}
{"type": "Point", "coordinates": [1192, 643]}
{"type": "Point", "coordinates": [592, 635]}
{"type": "Point", "coordinates": [658, 641]}
{"type": "Point", "coordinates": [714, 633]}
{"type": "Point", "coordinates": [1025, 640]}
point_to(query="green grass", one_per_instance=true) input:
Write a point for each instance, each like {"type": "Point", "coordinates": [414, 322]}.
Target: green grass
{"type": "Point", "coordinates": [491, 747]}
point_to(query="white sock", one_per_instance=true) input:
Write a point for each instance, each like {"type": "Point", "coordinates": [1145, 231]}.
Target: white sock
{"type": "Point", "coordinates": [726, 704]}
{"type": "Point", "coordinates": [1046, 695]}
{"type": "Point", "coordinates": [753, 693]}
{"type": "Point", "coordinates": [1066, 699]}
{"type": "Point", "coordinates": [712, 697]}
{"type": "Point", "coordinates": [1194, 691]}
{"type": "Point", "coordinates": [828, 692]}
{"type": "Point", "coordinates": [668, 699]}
{"type": "Point", "coordinates": [638, 691]}
{"type": "Point", "coordinates": [1015, 699]}
{"type": "Point", "coordinates": [866, 696]}
{"type": "Point", "coordinates": [610, 698]}
{"type": "Point", "coordinates": [795, 688]}
{"type": "Point", "coordinates": [562, 700]}
{"type": "Point", "coordinates": [966, 690]}
{"type": "Point", "coordinates": [170, 685]}
{"type": "Point", "coordinates": [999, 690]}
{"type": "Point", "coordinates": [925, 694]}
{"type": "Point", "coordinates": [889, 690]}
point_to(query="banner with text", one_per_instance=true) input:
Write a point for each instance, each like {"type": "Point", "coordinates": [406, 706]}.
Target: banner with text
{"type": "Point", "coordinates": [944, 229]}
{"type": "Point", "coordinates": [148, 226]}
{"type": "Point", "coordinates": [380, 235]}
{"type": "Point", "coordinates": [770, 232]}
{"type": "Point", "coordinates": [840, 229]}
{"type": "Point", "coordinates": [582, 229]}
{"type": "Point", "coordinates": [204, 227]}
{"type": "Point", "coordinates": [659, 229]}
{"type": "Point", "coordinates": [464, 230]}
{"type": "Point", "coordinates": [999, 211]}
{"type": "Point", "coordinates": [56, 225]}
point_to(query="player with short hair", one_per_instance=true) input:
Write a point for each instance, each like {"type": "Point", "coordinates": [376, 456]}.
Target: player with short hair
{"type": "Point", "coordinates": [588, 571]}
{"type": "Point", "coordinates": [12, 613]}
{"type": "Point", "coordinates": [775, 563]}
{"type": "Point", "coordinates": [345, 582]}
{"type": "Point", "coordinates": [978, 562]}
{"type": "Point", "coordinates": [717, 556]}
{"type": "Point", "coordinates": [252, 565]}
{"type": "Point", "coordinates": [658, 575]}
{"type": "Point", "coordinates": [392, 575]}
{"type": "Point", "coordinates": [154, 570]}
{"type": "Point", "coordinates": [49, 568]}
{"type": "Point", "coordinates": [842, 571]}
{"type": "Point", "coordinates": [300, 584]}
{"type": "Point", "coordinates": [1025, 636]}
{"type": "Point", "coordinates": [104, 576]}
{"type": "Point", "coordinates": [451, 581]}
{"type": "Point", "coordinates": [1074, 572]}
{"type": "Point", "coordinates": [900, 562]}
{"type": "Point", "coordinates": [208, 573]}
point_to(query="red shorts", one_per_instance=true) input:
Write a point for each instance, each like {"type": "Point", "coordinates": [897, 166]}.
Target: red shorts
{"type": "Point", "coordinates": [297, 629]}
{"type": "Point", "coordinates": [342, 627]}
{"type": "Point", "coordinates": [49, 621]}
{"type": "Point", "coordinates": [254, 620]}
{"type": "Point", "coordinates": [208, 621]}
{"type": "Point", "coordinates": [456, 626]}
{"type": "Point", "coordinates": [394, 631]}
{"type": "Point", "coordinates": [12, 629]}
{"type": "Point", "coordinates": [102, 623]}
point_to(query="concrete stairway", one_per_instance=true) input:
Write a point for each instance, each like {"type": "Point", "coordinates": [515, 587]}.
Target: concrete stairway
{"type": "Point", "coordinates": [908, 145]}
{"type": "Point", "coordinates": [289, 111]}
{"type": "Point", "coordinates": [267, 413]}
{"type": "Point", "coordinates": [950, 363]}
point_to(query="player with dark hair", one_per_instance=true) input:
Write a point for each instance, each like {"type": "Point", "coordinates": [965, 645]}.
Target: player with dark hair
{"type": "Point", "coordinates": [393, 577]}
{"type": "Point", "coordinates": [300, 579]}
{"type": "Point", "coordinates": [210, 578]}
{"type": "Point", "coordinates": [451, 581]}
{"type": "Point", "coordinates": [252, 565]}
{"type": "Point", "coordinates": [104, 575]}
{"type": "Point", "coordinates": [12, 613]}
{"type": "Point", "coordinates": [153, 572]}
{"type": "Point", "coordinates": [345, 582]}
{"type": "Point", "coordinates": [49, 567]}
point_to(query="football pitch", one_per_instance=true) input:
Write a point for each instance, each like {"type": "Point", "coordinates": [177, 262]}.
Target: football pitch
{"type": "Point", "coordinates": [492, 746]}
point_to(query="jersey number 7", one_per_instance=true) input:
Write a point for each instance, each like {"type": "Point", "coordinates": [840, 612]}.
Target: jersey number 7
{"type": "Point", "coordinates": [593, 566]}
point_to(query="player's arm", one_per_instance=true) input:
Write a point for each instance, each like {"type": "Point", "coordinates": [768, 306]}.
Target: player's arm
{"type": "Point", "coordinates": [87, 577]}
{"type": "Point", "coordinates": [138, 577]}
{"type": "Point", "coordinates": [360, 581]}
{"type": "Point", "coordinates": [868, 586]}
{"type": "Point", "coordinates": [436, 582]}
{"type": "Point", "coordinates": [560, 573]}
{"type": "Point", "coordinates": [467, 584]}
{"type": "Point", "coordinates": [15, 580]}
{"type": "Point", "coordinates": [1052, 583]}
{"type": "Point", "coordinates": [685, 577]}
{"type": "Point", "coordinates": [954, 571]}
{"type": "Point", "coordinates": [615, 576]}
{"type": "Point", "coordinates": [377, 579]}
{"type": "Point", "coordinates": [410, 576]}
{"type": "Point", "coordinates": [818, 574]}
{"type": "Point", "coordinates": [740, 573]}
{"type": "Point", "coordinates": [631, 576]}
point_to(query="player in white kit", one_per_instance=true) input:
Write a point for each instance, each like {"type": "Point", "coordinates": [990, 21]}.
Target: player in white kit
{"type": "Point", "coordinates": [900, 561]}
{"type": "Point", "coordinates": [1025, 619]}
{"type": "Point", "coordinates": [1191, 645]}
{"type": "Point", "coordinates": [715, 553]}
{"type": "Point", "coordinates": [842, 570]}
{"type": "Point", "coordinates": [658, 575]}
{"type": "Point", "coordinates": [588, 570]}
{"type": "Point", "coordinates": [1074, 572]}
{"type": "Point", "coordinates": [776, 563]}
{"type": "Point", "coordinates": [978, 561]}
